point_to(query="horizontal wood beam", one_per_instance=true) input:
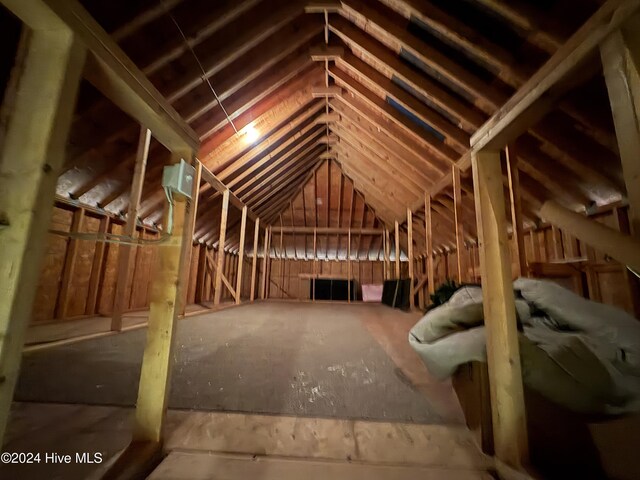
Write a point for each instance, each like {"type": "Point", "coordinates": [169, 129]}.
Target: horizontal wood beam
{"type": "Point", "coordinates": [326, 52]}
{"type": "Point", "coordinates": [330, 139]}
{"type": "Point", "coordinates": [328, 118]}
{"type": "Point", "coordinates": [321, 91]}
{"type": "Point", "coordinates": [326, 230]}
{"type": "Point", "coordinates": [322, 6]}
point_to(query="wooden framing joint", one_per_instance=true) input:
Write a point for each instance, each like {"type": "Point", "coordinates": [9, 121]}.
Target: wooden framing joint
{"type": "Point", "coordinates": [330, 139]}
{"type": "Point", "coordinates": [321, 6]}
{"type": "Point", "coordinates": [327, 118]}
{"type": "Point", "coordinates": [328, 92]}
{"type": "Point", "coordinates": [324, 52]}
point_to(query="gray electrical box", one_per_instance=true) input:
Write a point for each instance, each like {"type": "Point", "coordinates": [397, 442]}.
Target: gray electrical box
{"type": "Point", "coordinates": [179, 178]}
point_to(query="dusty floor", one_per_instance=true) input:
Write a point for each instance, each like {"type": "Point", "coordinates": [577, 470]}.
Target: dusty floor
{"type": "Point", "coordinates": [315, 360]}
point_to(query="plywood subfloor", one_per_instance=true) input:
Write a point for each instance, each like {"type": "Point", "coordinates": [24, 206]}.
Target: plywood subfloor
{"type": "Point", "coordinates": [201, 466]}
{"type": "Point", "coordinates": [328, 443]}
{"type": "Point", "coordinates": [285, 358]}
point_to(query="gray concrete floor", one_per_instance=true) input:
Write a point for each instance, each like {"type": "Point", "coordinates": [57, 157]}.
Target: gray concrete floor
{"type": "Point", "coordinates": [316, 360]}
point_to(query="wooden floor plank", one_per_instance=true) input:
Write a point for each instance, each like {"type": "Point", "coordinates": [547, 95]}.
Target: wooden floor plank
{"type": "Point", "coordinates": [202, 466]}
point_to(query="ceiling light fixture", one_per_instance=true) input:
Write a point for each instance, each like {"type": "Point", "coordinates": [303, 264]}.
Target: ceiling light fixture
{"type": "Point", "coordinates": [251, 134]}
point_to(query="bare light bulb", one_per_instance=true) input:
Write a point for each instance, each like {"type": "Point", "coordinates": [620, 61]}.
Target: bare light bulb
{"type": "Point", "coordinates": [251, 134]}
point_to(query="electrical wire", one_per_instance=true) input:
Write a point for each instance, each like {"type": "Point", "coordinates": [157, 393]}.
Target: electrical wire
{"type": "Point", "coordinates": [167, 192]}
{"type": "Point", "coordinates": [205, 78]}
{"type": "Point", "coordinates": [124, 239]}
{"type": "Point", "coordinates": [112, 238]}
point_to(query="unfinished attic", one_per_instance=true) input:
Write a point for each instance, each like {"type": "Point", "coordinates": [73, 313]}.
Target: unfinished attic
{"type": "Point", "coordinates": [301, 239]}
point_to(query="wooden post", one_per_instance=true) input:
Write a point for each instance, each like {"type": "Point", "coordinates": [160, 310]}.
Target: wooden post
{"type": "Point", "coordinates": [421, 302]}
{"type": "Point", "coordinates": [513, 175]}
{"type": "Point", "coordinates": [243, 227]}
{"type": "Point", "coordinates": [472, 262]}
{"type": "Point", "coordinates": [221, 242]}
{"type": "Point", "coordinates": [125, 252]}
{"type": "Point", "coordinates": [155, 376]}
{"type": "Point", "coordinates": [263, 287]}
{"type": "Point", "coordinates": [384, 256]}
{"type": "Point", "coordinates": [349, 265]}
{"type": "Point", "coordinates": [622, 221]}
{"type": "Point", "coordinates": [457, 214]}
{"type": "Point", "coordinates": [96, 269]}
{"type": "Point", "coordinates": [412, 297]}
{"type": "Point", "coordinates": [281, 260]}
{"type": "Point", "coordinates": [397, 251]}
{"type": "Point", "coordinates": [254, 262]}
{"type": "Point", "coordinates": [556, 239]}
{"type": "Point", "coordinates": [315, 263]}
{"type": "Point", "coordinates": [30, 160]}
{"type": "Point", "coordinates": [190, 225]}
{"type": "Point", "coordinates": [202, 274]}
{"type": "Point", "coordinates": [503, 354]}
{"type": "Point", "coordinates": [621, 65]}
{"type": "Point", "coordinates": [268, 286]}
{"type": "Point", "coordinates": [428, 227]}
{"type": "Point", "coordinates": [620, 54]}
{"type": "Point", "coordinates": [68, 270]}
